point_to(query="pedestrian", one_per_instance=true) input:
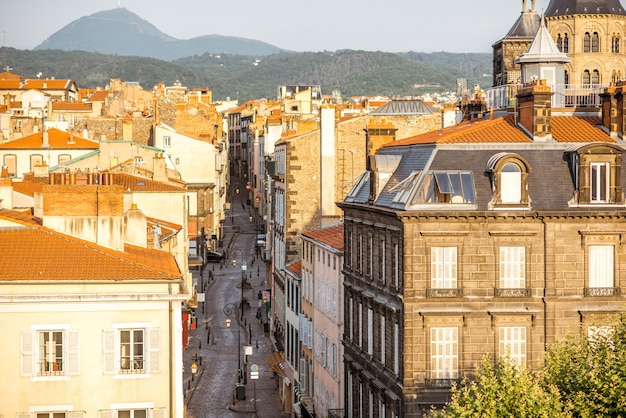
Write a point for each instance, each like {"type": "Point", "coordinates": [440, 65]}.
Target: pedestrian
{"type": "Point", "coordinates": [258, 316]}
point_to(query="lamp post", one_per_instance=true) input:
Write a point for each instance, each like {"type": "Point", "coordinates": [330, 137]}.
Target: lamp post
{"type": "Point", "coordinates": [228, 311]}
{"type": "Point", "coordinates": [244, 268]}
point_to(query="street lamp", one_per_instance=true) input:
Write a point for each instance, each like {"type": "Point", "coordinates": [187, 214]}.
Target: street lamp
{"type": "Point", "coordinates": [244, 268]}
{"type": "Point", "coordinates": [228, 311]}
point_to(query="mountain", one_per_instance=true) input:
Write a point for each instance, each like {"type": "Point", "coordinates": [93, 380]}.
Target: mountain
{"type": "Point", "coordinates": [121, 32]}
{"type": "Point", "coordinates": [354, 73]}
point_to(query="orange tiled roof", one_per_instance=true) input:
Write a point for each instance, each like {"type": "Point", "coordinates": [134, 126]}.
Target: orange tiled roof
{"type": "Point", "coordinates": [38, 253]}
{"type": "Point", "coordinates": [331, 236]}
{"type": "Point", "coordinates": [20, 217]}
{"type": "Point", "coordinates": [99, 96]}
{"type": "Point", "coordinates": [28, 188]}
{"type": "Point", "coordinates": [504, 130]}
{"type": "Point", "coordinates": [9, 76]}
{"type": "Point", "coordinates": [71, 106]}
{"type": "Point", "coordinates": [295, 268]}
{"type": "Point", "coordinates": [142, 184]}
{"type": "Point", "coordinates": [56, 138]}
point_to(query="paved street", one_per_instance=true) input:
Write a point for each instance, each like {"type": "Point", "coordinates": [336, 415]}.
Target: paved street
{"type": "Point", "coordinates": [212, 392]}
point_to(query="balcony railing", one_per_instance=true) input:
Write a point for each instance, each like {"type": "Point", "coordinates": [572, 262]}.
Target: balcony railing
{"type": "Point", "coordinates": [565, 95]}
{"type": "Point", "coordinates": [602, 291]}
{"type": "Point", "coordinates": [444, 293]}
{"type": "Point", "coordinates": [512, 293]}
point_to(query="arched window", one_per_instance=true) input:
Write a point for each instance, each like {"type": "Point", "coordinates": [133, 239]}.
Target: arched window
{"type": "Point", "coordinates": [615, 44]}
{"type": "Point", "coordinates": [595, 42]}
{"type": "Point", "coordinates": [566, 44]}
{"type": "Point", "coordinates": [511, 184]}
{"type": "Point", "coordinates": [559, 42]}
{"type": "Point", "coordinates": [595, 77]}
{"type": "Point", "coordinates": [587, 42]}
{"type": "Point", "coordinates": [566, 79]}
{"type": "Point", "coordinates": [614, 78]}
{"type": "Point", "coordinates": [509, 181]}
{"type": "Point", "coordinates": [586, 77]}
{"type": "Point", "coordinates": [36, 160]}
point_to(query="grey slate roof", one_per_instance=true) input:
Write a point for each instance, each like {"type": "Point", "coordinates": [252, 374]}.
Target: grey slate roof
{"type": "Point", "coordinates": [576, 7]}
{"type": "Point", "coordinates": [526, 26]}
{"type": "Point", "coordinates": [550, 182]}
{"type": "Point", "coordinates": [404, 107]}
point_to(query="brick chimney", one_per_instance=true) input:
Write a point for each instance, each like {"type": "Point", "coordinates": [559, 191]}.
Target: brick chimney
{"type": "Point", "coordinates": [613, 111]}
{"type": "Point", "coordinates": [159, 168]}
{"type": "Point", "coordinates": [534, 110]}
{"type": "Point", "coordinates": [379, 133]}
{"type": "Point", "coordinates": [136, 227]}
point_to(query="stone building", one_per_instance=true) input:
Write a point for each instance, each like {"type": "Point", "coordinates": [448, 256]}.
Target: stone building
{"type": "Point", "coordinates": [498, 236]}
{"type": "Point", "coordinates": [590, 32]}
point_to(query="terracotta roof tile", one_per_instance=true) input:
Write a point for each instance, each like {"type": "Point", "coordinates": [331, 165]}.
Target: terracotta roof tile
{"type": "Point", "coordinates": [56, 138]}
{"type": "Point", "coordinates": [142, 184]}
{"type": "Point", "coordinates": [504, 130]}
{"type": "Point", "coordinates": [331, 236]}
{"type": "Point", "coordinates": [28, 188]}
{"type": "Point", "coordinates": [295, 268]}
{"type": "Point", "coordinates": [38, 253]}
{"type": "Point", "coordinates": [84, 107]}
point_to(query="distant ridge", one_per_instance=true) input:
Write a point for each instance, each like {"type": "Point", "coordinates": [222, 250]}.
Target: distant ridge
{"type": "Point", "coordinates": [121, 32]}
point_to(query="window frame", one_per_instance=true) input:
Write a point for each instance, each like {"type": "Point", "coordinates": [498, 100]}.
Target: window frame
{"type": "Point", "coordinates": [31, 356]}
{"type": "Point", "coordinates": [112, 351]}
{"type": "Point", "coordinates": [444, 267]}
{"type": "Point", "coordinates": [512, 259]}
{"type": "Point", "coordinates": [444, 353]}
{"type": "Point", "coordinates": [513, 342]}
{"type": "Point", "coordinates": [495, 167]}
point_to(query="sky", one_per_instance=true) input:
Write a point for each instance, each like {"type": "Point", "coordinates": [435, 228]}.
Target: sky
{"type": "Point", "coordinates": [320, 25]}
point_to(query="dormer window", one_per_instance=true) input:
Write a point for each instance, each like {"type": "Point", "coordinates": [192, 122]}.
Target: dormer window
{"type": "Point", "coordinates": [596, 172]}
{"type": "Point", "coordinates": [509, 181]}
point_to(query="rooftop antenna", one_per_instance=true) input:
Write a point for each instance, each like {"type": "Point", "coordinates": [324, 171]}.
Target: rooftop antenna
{"type": "Point", "coordinates": [118, 3]}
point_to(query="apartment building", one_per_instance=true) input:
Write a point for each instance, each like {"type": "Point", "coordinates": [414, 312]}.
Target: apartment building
{"type": "Point", "coordinates": [497, 236]}
{"type": "Point", "coordinates": [81, 318]}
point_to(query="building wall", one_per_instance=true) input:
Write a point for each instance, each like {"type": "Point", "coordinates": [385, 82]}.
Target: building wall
{"type": "Point", "coordinates": [555, 302]}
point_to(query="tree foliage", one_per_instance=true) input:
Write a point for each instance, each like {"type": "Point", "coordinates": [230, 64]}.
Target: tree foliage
{"type": "Point", "coordinates": [583, 377]}
{"type": "Point", "coordinates": [504, 390]}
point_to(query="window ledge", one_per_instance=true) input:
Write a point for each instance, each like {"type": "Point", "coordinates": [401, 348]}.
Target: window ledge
{"type": "Point", "coordinates": [444, 293]}
{"type": "Point", "coordinates": [511, 293]}
{"type": "Point", "coordinates": [602, 291]}
{"type": "Point", "coordinates": [440, 383]}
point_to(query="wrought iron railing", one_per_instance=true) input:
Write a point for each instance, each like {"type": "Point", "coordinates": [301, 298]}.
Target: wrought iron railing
{"type": "Point", "coordinates": [565, 95]}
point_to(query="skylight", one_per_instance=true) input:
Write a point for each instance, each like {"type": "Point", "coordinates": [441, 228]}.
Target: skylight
{"type": "Point", "coordinates": [446, 187]}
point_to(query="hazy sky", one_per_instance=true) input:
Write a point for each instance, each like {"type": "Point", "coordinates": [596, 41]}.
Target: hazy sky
{"type": "Point", "coordinates": [371, 25]}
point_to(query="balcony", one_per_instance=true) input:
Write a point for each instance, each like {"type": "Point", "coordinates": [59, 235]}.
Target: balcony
{"type": "Point", "coordinates": [602, 291]}
{"type": "Point", "coordinates": [511, 293]}
{"type": "Point", "coordinates": [565, 95]}
{"type": "Point", "coordinates": [440, 383]}
{"type": "Point", "coordinates": [444, 293]}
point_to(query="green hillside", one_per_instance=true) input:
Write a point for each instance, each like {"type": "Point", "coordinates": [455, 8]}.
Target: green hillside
{"type": "Point", "coordinates": [354, 73]}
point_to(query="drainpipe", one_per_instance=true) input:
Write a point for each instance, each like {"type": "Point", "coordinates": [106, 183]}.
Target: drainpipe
{"type": "Point", "coordinates": [545, 284]}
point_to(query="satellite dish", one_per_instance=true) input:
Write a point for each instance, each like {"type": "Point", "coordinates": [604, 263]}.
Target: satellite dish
{"type": "Point", "coordinates": [39, 74]}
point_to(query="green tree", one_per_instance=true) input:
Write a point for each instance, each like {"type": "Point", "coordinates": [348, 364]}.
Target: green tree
{"type": "Point", "coordinates": [590, 371]}
{"type": "Point", "coordinates": [504, 390]}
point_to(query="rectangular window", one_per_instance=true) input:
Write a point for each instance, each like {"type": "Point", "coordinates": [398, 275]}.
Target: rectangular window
{"type": "Point", "coordinates": [167, 141]}
{"type": "Point", "coordinates": [601, 266]}
{"type": "Point", "coordinates": [132, 350]}
{"type": "Point", "coordinates": [351, 318]}
{"type": "Point", "coordinates": [383, 337]}
{"type": "Point", "coordinates": [444, 347]}
{"type": "Point", "coordinates": [370, 332]}
{"type": "Point", "coordinates": [333, 370]}
{"type": "Point", "coordinates": [396, 349]}
{"type": "Point", "coordinates": [360, 325]}
{"type": "Point", "coordinates": [383, 261]}
{"type": "Point", "coordinates": [50, 415]}
{"type": "Point", "coordinates": [50, 352]}
{"type": "Point", "coordinates": [512, 267]}
{"type": "Point", "coordinates": [513, 344]}
{"type": "Point", "coordinates": [599, 184]}
{"type": "Point", "coordinates": [132, 413]}
{"type": "Point", "coordinates": [396, 265]}
{"type": "Point", "coordinates": [370, 257]}
{"type": "Point", "coordinates": [443, 265]}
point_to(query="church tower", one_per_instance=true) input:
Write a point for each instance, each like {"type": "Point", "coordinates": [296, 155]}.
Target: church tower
{"type": "Point", "coordinates": [515, 43]}
{"type": "Point", "coordinates": [591, 33]}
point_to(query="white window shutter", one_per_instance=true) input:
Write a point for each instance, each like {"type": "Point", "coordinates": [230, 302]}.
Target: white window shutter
{"type": "Point", "coordinates": [28, 353]}
{"type": "Point", "coordinates": [23, 415]}
{"type": "Point", "coordinates": [155, 350]}
{"type": "Point", "coordinates": [303, 374]}
{"type": "Point", "coordinates": [158, 413]}
{"type": "Point", "coordinates": [108, 352]}
{"type": "Point", "coordinates": [107, 413]}
{"type": "Point", "coordinates": [73, 353]}
{"type": "Point", "coordinates": [76, 414]}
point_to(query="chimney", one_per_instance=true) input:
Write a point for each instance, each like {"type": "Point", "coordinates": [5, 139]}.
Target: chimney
{"type": "Point", "coordinates": [613, 111]}
{"type": "Point", "coordinates": [159, 169]}
{"type": "Point", "coordinates": [379, 133]}
{"type": "Point", "coordinates": [534, 110]}
{"type": "Point", "coordinates": [136, 227]}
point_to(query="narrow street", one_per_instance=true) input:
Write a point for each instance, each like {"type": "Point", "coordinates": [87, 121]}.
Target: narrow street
{"type": "Point", "coordinates": [218, 349]}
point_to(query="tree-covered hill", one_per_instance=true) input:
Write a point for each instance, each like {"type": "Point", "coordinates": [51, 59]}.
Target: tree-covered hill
{"type": "Point", "coordinates": [354, 73]}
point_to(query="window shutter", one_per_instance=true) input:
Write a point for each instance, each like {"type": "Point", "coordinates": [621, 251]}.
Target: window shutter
{"type": "Point", "coordinates": [155, 349]}
{"type": "Point", "coordinates": [108, 353]}
{"type": "Point", "coordinates": [107, 413]}
{"type": "Point", "coordinates": [22, 415]}
{"type": "Point", "coordinates": [28, 354]}
{"type": "Point", "coordinates": [73, 357]}
{"type": "Point", "coordinates": [303, 374]}
{"type": "Point", "coordinates": [76, 414]}
{"type": "Point", "coordinates": [158, 413]}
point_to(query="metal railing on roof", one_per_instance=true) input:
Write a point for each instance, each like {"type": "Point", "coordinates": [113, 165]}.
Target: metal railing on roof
{"type": "Point", "coordinates": [565, 95]}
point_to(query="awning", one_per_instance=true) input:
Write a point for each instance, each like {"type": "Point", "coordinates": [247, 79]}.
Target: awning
{"type": "Point", "coordinates": [276, 362]}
